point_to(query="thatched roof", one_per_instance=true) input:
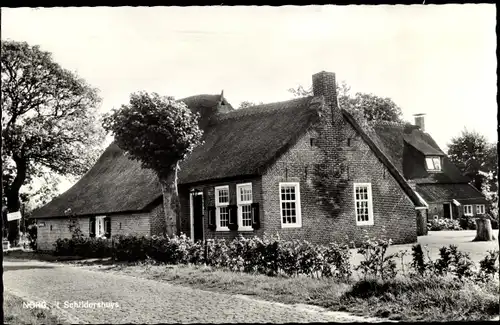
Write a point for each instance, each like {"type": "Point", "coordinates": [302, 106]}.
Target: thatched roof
{"type": "Point", "coordinates": [463, 193]}
{"type": "Point", "coordinates": [245, 141]}
{"type": "Point", "coordinates": [407, 146]}
{"type": "Point", "coordinates": [236, 143]}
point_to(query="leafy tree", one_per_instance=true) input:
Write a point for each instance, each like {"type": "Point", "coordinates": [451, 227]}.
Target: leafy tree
{"type": "Point", "coordinates": [49, 119]}
{"type": "Point", "coordinates": [469, 152]}
{"type": "Point", "coordinates": [159, 132]}
{"type": "Point", "coordinates": [374, 108]}
{"type": "Point", "coordinates": [478, 159]}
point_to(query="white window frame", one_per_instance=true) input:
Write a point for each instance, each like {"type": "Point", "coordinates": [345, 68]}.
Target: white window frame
{"type": "Point", "coordinates": [480, 211]}
{"type": "Point", "coordinates": [242, 203]}
{"type": "Point", "coordinates": [218, 205]}
{"type": "Point", "coordinates": [468, 210]}
{"type": "Point", "coordinates": [298, 213]}
{"type": "Point", "coordinates": [369, 222]}
{"type": "Point", "coordinates": [432, 160]}
{"type": "Point", "coordinates": [99, 220]}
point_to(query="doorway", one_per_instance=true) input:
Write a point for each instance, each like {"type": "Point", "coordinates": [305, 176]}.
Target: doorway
{"type": "Point", "coordinates": [447, 211]}
{"type": "Point", "coordinates": [197, 216]}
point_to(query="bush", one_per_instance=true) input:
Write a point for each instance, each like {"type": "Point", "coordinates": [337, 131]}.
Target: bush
{"type": "Point", "coordinates": [443, 224]}
{"type": "Point", "coordinates": [467, 223]}
{"type": "Point", "coordinates": [32, 235]}
{"type": "Point", "coordinates": [376, 263]}
{"type": "Point", "coordinates": [268, 255]}
{"type": "Point", "coordinates": [83, 247]}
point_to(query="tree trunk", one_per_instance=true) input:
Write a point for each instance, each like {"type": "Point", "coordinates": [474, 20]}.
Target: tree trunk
{"type": "Point", "coordinates": [13, 201]}
{"type": "Point", "coordinates": [171, 205]}
{"type": "Point", "coordinates": [483, 230]}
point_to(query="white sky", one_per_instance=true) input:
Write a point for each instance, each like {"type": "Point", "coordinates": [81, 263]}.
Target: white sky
{"type": "Point", "coordinates": [438, 60]}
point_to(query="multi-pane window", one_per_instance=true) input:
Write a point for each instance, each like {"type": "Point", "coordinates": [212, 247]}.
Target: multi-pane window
{"type": "Point", "coordinates": [433, 163]}
{"type": "Point", "coordinates": [290, 205]}
{"type": "Point", "coordinates": [222, 207]}
{"type": "Point", "coordinates": [244, 200]}
{"type": "Point", "coordinates": [363, 203]}
{"type": "Point", "coordinates": [100, 229]}
{"type": "Point", "coordinates": [479, 208]}
{"type": "Point", "coordinates": [468, 210]}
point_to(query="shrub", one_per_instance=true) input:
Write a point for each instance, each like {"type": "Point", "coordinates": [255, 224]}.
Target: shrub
{"type": "Point", "coordinates": [467, 223]}
{"type": "Point", "coordinates": [32, 235]}
{"type": "Point", "coordinates": [83, 247]}
{"type": "Point", "coordinates": [131, 248]}
{"type": "Point", "coordinates": [488, 267]}
{"type": "Point", "coordinates": [443, 224]}
{"type": "Point", "coordinates": [418, 264]}
{"type": "Point", "coordinates": [376, 262]}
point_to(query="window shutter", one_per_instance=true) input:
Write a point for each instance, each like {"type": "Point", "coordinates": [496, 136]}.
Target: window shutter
{"type": "Point", "coordinates": [255, 216]}
{"type": "Point", "coordinates": [211, 218]}
{"type": "Point", "coordinates": [107, 227]}
{"type": "Point", "coordinates": [92, 227]}
{"type": "Point", "coordinates": [233, 217]}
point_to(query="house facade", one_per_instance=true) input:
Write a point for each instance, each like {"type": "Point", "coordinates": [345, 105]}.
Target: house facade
{"type": "Point", "coordinates": [256, 172]}
{"type": "Point", "coordinates": [446, 192]}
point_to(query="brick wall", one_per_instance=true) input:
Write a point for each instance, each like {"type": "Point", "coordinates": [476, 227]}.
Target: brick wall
{"type": "Point", "coordinates": [208, 190]}
{"type": "Point", "coordinates": [57, 228]}
{"type": "Point", "coordinates": [145, 223]}
{"type": "Point", "coordinates": [392, 208]}
{"type": "Point", "coordinates": [393, 212]}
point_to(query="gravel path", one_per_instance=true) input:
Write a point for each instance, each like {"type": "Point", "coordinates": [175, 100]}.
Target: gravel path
{"type": "Point", "coordinates": [133, 300]}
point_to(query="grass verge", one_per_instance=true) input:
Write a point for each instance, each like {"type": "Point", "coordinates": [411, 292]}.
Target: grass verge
{"type": "Point", "coordinates": [403, 298]}
{"type": "Point", "coordinates": [15, 313]}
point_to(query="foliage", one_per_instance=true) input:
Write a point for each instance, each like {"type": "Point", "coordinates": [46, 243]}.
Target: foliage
{"type": "Point", "coordinates": [49, 117]}
{"type": "Point", "coordinates": [32, 231]}
{"type": "Point", "coordinates": [89, 247]}
{"type": "Point", "coordinates": [372, 107]}
{"type": "Point", "coordinates": [467, 223]}
{"type": "Point", "coordinates": [159, 132]}
{"type": "Point", "coordinates": [476, 158]}
{"type": "Point", "coordinates": [376, 261]}
{"type": "Point", "coordinates": [454, 263]}
{"type": "Point", "coordinates": [268, 255]}
{"type": "Point", "coordinates": [443, 224]}
{"type": "Point", "coordinates": [155, 130]}
{"type": "Point", "coordinates": [488, 266]}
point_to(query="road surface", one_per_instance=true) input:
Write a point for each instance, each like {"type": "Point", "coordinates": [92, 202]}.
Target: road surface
{"type": "Point", "coordinates": [82, 296]}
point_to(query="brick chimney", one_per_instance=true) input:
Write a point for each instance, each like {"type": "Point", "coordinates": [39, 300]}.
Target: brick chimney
{"type": "Point", "coordinates": [324, 85]}
{"type": "Point", "coordinates": [419, 121]}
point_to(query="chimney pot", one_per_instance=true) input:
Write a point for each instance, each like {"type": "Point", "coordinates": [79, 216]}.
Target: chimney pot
{"type": "Point", "coordinates": [324, 85]}
{"type": "Point", "coordinates": [420, 121]}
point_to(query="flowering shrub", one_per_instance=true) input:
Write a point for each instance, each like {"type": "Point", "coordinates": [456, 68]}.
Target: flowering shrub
{"type": "Point", "coordinates": [443, 224]}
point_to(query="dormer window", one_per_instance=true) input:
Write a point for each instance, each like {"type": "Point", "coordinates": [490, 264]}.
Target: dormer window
{"type": "Point", "coordinates": [433, 164]}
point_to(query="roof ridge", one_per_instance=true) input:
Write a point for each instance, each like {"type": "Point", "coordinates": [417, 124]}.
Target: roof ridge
{"type": "Point", "coordinates": [259, 109]}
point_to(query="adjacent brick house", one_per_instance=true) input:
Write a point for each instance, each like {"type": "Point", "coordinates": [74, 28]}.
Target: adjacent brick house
{"type": "Point", "coordinates": [256, 172]}
{"type": "Point", "coordinates": [435, 178]}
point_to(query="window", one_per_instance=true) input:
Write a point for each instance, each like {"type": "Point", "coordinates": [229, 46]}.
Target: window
{"type": "Point", "coordinates": [290, 205]}
{"type": "Point", "coordinates": [433, 163]}
{"type": "Point", "coordinates": [468, 210]}
{"type": "Point", "coordinates": [244, 201]}
{"type": "Point", "coordinates": [100, 229]}
{"type": "Point", "coordinates": [479, 208]}
{"type": "Point", "coordinates": [313, 142]}
{"type": "Point", "coordinates": [363, 204]}
{"type": "Point", "coordinates": [222, 207]}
